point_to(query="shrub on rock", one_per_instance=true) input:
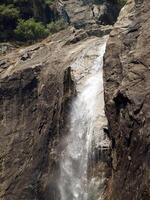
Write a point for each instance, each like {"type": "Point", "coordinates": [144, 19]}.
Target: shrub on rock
{"type": "Point", "coordinates": [56, 26]}
{"type": "Point", "coordinates": [30, 30]}
{"type": "Point", "coordinates": [8, 20]}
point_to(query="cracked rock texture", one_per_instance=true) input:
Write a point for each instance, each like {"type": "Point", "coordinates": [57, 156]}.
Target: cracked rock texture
{"type": "Point", "coordinates": [91, 13]}
{"type": "Point", "coordinates": [35, 87]}
{"type": "Point", "coordinates": [127, 97]}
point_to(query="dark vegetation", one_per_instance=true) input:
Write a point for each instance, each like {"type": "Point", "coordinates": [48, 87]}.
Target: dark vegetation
{"type": "Point", "coordinates": [120, 2]}
{"type": "Point", "coordinates": [28, 20]}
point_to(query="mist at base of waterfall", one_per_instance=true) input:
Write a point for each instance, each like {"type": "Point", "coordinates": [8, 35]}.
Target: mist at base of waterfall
{"type": "Point", "coordinates": [87, 120]}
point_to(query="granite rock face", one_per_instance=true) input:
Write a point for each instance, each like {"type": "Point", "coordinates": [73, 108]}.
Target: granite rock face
{"type": "Point", "coordinates": [86, 13]}
{"type": "Point", "coordinates": [127, 97]}
{"type": "Point", "coordinates": [35, 89]}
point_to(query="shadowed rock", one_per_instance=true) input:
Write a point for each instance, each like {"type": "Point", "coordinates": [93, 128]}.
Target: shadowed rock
{"type": "Point", "coordinates": [127, 86]}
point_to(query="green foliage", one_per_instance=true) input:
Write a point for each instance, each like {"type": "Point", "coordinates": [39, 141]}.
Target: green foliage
{"type": "Point", "coordinates": [8, 20]}
{"type": "Point", "coordinates": [21, 20]}
{"type": "Point", "coordinates": [8, 12]}
{"type": "Point", "coordinates": [14, 16]}
{"type": "Point", "coordinates": [119, 2]}
{"type": "Point", "coordinates": [30, 30]}
{"type": "Point", "coordinates": [49, 1]}
{"type": "Point", "coordinates": [54, 27]}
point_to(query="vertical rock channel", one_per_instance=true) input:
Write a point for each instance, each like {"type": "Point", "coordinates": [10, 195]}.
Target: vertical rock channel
{"type": "Point", "coordinates": [86, 142]}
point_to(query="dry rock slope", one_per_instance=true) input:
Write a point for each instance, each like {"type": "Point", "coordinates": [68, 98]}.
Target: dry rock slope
{"type": "Point", "coordinates": [127, 97]}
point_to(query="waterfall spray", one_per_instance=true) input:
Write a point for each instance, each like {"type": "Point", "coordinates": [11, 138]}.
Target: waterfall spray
{"type": "Point", "coordinates": [86, 120]}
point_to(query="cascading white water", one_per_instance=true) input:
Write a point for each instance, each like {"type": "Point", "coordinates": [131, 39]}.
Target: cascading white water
{"type": "Point", "coordinates": [86, 121]}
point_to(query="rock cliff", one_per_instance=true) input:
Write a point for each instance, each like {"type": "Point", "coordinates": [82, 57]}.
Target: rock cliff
{"type": "Point", "coordinates": [85, 13]}
{"type": "Point", "coordinates": [127, 97]}
{"type": "Point", "coordinates": [35, 87]}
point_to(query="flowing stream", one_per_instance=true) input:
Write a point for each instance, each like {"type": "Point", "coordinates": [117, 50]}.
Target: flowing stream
{"type": "Point", "coordinates": [86, 124]}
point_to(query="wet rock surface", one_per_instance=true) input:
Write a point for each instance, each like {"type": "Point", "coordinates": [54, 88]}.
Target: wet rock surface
{"type": "Point", "coordinates": [36, 86]}
{"type": "Point", "coordinates": [127, 87]}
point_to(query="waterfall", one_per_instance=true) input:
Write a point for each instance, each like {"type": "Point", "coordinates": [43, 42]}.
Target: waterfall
{"type": "Point", "coordinates": [86, 121]}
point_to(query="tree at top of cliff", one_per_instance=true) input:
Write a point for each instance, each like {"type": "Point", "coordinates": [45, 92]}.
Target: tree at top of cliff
{"type": "Point", "coordinates": [12, 11]}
